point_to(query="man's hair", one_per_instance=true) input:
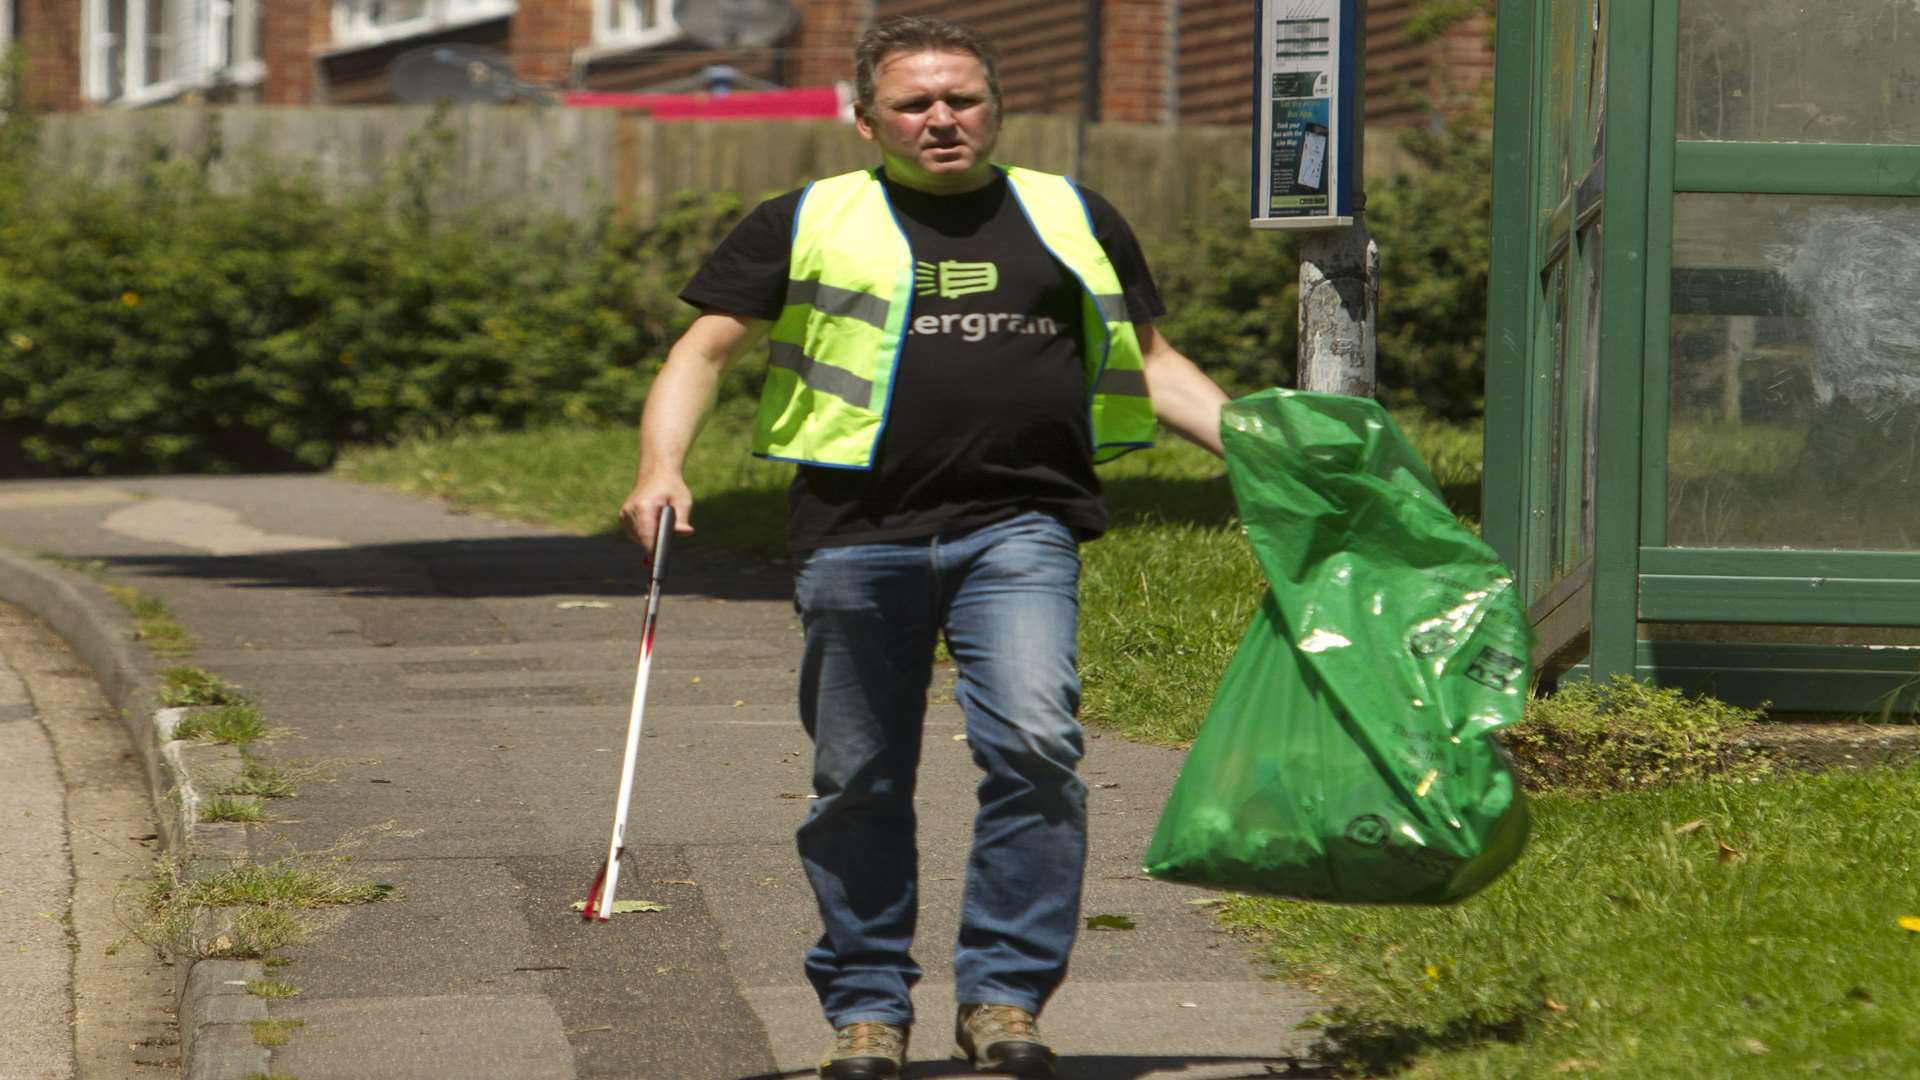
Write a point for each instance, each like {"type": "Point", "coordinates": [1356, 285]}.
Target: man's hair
{"type": "Point", "coordinates": [918, 34]}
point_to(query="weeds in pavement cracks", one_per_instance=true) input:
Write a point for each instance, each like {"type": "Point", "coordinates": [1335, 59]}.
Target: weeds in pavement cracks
{"type": "Point", "coordinates": [236, 725]}
{"type": "Point", "coordinates": [265, 781]}
{"type": "Point", "coordinates": [153, 624]}
{"type": "Point", "coordinates": [274, 1033]}
{"type": "Point", "coordinates": [272, 988]}
{"type": "Point", "coordinates": [267, 906]}
{"type": "Point", "coordinates": [228, 808]}
{"type": "Point", "coordinates": [183, 686]}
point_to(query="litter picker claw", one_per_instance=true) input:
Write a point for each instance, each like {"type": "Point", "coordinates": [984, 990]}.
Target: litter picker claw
{"type": "Point", "coordinates": [600, 896]}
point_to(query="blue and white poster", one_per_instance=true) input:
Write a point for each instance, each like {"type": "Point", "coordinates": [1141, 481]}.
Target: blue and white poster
{"type": "Point", "coordinates": [1305, 96]}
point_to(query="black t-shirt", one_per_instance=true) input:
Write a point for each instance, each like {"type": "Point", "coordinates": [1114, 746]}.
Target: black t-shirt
{"type": "Point", "coordinates": [989, 412]}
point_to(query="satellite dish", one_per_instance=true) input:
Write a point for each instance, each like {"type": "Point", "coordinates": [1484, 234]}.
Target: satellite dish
{"type": "Point", "coordinates": [461, 74]}
{"type": "Point", "coordinates": [734, 24]}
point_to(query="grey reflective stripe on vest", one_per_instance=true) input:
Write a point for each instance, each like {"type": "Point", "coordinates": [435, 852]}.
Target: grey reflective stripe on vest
{"type": "Point", "coordinates": [1122, 383]}
{"type": "Point", "coordinates": [833, 300]}
{"type": "Point", "coordinates": [826, 378]}
{"type": "Point", "coordinates": [1113, 307]}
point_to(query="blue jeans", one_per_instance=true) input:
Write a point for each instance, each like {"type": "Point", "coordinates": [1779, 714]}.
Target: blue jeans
{"type": "Point", "coordinates": [1007, 597]}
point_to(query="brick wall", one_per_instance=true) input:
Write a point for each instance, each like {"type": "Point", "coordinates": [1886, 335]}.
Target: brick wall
{"type": "Point", "coordinates": [1214, 62]}
{"type": "Point", "coordinates": [1043, 46]}
{"type": "Point", "coordinates": [1133, 63]}
{"type": "Point", "coordinates": [544, 35]}
{"type": "Point", "coordinates": [50, 43]}
{"type": "Point", "coordinates": [291, 31]}
{"type": "Point", "coordinates": [821, 50]}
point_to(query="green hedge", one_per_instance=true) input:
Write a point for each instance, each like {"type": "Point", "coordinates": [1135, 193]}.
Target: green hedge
{"type": "Point", "coordinates": [165, 325]}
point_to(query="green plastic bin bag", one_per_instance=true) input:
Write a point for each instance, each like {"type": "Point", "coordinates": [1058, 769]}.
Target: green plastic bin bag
{"type": "Point", "coordinates": [1346, 755]}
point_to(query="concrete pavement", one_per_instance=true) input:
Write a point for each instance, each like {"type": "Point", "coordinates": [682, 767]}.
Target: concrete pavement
{"type": "Point", "coordinates": [35, 1009]}
{"type": "Point", "coordinates": [458, 688]}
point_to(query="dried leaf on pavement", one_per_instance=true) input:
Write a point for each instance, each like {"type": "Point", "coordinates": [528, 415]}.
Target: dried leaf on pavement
{"type": "Point", "coordinates": [625, 907]}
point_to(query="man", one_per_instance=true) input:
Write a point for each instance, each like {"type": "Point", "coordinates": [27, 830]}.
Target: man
{"type": "Point", "coordinates": [953, 346]}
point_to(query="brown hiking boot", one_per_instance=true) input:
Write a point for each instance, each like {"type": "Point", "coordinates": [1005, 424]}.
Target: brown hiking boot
{"type": "Point", "coordinates": [1002, 1039]}
{"type": "Point", "coordinates": [868, 1050]}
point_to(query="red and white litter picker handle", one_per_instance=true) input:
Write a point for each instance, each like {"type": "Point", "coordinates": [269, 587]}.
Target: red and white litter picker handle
{"type": "Point", "coordinates": [600, 896]}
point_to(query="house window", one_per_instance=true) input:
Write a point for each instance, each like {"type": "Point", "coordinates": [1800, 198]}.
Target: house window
{"type": "Point", "coordinates": [628, 23]}
{"type": "Point", "coordinates": [143, 51]}
{"type": "Point", "coordinates": [371, 22]}
{"type": "Point", "coordinates": [6, 24]}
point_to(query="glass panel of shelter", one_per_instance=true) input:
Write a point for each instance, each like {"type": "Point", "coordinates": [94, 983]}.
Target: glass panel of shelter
{"type": "Point", "coordinates": [1560, 531]}
{"type": "Point", "coordinates": [1794, 373]}
{"type": "Point", "coordinates": [1841, 71]}
{"type": "Point", "coordinates": [1794, 348]}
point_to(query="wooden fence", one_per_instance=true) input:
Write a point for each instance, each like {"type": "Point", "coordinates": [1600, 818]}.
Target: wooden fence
{"type": "Point", "coordinates": [578, 161]}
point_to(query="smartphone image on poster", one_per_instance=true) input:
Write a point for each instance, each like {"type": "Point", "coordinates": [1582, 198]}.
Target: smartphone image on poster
{"type": "Point", "coordinates": [1311, 177]}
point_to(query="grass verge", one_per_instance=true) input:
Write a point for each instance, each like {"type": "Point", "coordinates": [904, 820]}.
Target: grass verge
{"type": "Point", "coordinates": [153, 623]}
{"type": "Point", "coordinates": [1708, 929]}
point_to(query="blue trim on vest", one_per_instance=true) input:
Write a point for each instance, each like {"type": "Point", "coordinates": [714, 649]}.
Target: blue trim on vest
{"type": "Point", "coordinates": [793, 233]}
{"type": "Point", "coordinates": [906, 326]}
{"type": "Point", "coordinates": [1106, 335]}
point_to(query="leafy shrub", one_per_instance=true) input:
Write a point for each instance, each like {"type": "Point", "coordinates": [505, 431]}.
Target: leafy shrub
{"type": "Point", "coordinates": [1234, 292]}
{"type": "Point", "coordinates": [1626, 735]}
{"type": "Point", "coordinates": [169, 326]}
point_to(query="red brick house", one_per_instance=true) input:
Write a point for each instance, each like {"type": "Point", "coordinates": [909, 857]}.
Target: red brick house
{"type": "Point", "coordinates": [1142, 61]}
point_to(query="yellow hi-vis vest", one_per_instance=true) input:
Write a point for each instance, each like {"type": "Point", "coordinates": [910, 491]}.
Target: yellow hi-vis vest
{"type": "Point", "coordinates": [836, 347]}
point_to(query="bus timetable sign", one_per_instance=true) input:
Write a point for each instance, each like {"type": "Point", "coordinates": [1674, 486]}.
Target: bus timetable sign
{"type": "Point", "coordinates": [1305, 113]}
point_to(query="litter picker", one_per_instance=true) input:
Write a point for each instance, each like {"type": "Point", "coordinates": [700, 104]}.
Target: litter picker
{"type": "Point", "coordinates": [600, 896]}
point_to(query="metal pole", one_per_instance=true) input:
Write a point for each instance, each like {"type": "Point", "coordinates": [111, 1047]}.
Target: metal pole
{"type": "Point", "coordinates": [1340, 279]}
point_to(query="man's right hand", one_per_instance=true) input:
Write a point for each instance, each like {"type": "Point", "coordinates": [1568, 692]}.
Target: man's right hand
{"type": "Point", "coordinates": [640, 514]}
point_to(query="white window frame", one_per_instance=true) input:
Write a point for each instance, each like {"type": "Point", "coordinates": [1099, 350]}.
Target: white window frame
{"type": "Point", "coordinates": [211, 19]}
{"type": "Point", "coordinates": [354, 26]}
{"type": "Point", "coordinates": [633, 36]}
{"type": "Point", "coordinates": [6, 24]}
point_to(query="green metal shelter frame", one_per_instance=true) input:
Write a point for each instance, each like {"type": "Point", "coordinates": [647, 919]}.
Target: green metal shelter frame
{"type": "Point", "coordinates": [1601, 331]}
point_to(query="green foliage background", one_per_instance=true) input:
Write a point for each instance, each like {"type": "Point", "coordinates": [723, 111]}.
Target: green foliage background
{"type": "Point", "coordinates": [166, 325]}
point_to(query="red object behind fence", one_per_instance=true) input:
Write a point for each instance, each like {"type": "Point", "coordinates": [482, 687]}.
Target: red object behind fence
{"type": "Point", "coordinates": [804, 103]}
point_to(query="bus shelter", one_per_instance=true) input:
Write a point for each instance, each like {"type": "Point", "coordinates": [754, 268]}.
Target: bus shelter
{"type": "Point", "coordinates": [1703, 364]}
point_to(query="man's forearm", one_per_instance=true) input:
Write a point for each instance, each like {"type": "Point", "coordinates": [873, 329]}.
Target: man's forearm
{"type": "Point", "coordinates": [677, 406]}
{"type": "Point", "coordinates": [1184, 399]}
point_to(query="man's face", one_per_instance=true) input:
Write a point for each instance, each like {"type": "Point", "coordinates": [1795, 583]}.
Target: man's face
{"type": "Point", "coordinates": [933, 118]}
